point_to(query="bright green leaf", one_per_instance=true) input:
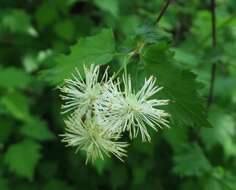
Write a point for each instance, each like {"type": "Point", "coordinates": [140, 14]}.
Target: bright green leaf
{"type": "Point", "coordinates": [18, 21]}
{"type": "Point", "coordinates": [13, 78]}
{"type": "Point", "coordinates": [111, 6]}
{"type": "Point", "coordinates": [149, 34]}
{"type": "Point", "coordinates": [30, 63]}
{"type": "Point", "coordinates": [222, 133]}
{"type": "Point", "coordinates": [96, 49]}
{"type": "Point", "coordinates": [191, 161]}
{"type": "Point", "coordinates": [22, 158]}
{"type": "Point", "coordinates": [46, 14]}
{"type": "Point", "coordinates": [65, 29]}
{"type": "Point", "coordinates": [17, 105]}
{"type": "Point", "coordinates": [220, 179]}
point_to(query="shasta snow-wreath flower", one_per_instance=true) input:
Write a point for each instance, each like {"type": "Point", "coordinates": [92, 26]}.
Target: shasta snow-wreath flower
{"type": "Point", "coordinates": [100, 109]}
{"type": "Point", "coordinates": [129, 111]}
{"type": "Point", "coordinates": [94, 139]}
{"type": "Point", "coordinates": [79, 93]}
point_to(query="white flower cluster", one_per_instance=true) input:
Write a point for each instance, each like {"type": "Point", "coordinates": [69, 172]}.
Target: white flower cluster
{"type": "Point", "coordinates": [101, 110]}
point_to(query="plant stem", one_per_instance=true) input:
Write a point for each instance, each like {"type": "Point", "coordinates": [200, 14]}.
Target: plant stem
{"type": "Point", "coordinates": [139, 48]}
{"type": "Point", "coordinates": [127, 57]}
{"type": "Point", "coordinates": [213, 68]}
{"type": "Point", "coordinates": [213, 22]}
{"type": "Point", "coordinates": [162, 11]}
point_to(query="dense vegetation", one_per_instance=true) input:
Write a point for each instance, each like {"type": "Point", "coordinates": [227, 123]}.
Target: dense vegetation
{"type": "Point", "coordinates": [41, 43]}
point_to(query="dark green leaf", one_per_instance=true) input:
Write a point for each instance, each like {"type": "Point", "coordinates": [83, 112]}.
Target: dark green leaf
{"type": "Point", "coordinates": [57, 185]}
{"type": "Point", "coordinates": [37, 129]}
{"type": "Point", "coordinates": [180, 87]}
{"type": "Point", "coordinates": [5, 129]}
{"type": "Point", "coordinates": [4, 184]}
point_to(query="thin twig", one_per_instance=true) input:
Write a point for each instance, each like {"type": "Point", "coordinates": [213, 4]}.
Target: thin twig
{"type": "Point", "coordinates": [162, 11]}
{"type": "Point", "coordinates": [140, 46]}
{"type": "Point", "coordinates": [213, 68]}
{"type": "Point", "coordinates": [213, 22]}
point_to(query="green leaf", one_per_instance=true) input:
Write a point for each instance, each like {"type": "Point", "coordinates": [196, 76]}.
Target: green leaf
{"type": "Point", "coordinates": [191, 161]}
{"type": "Point", "coordinates": [222, 133]}
{"type": "Point", "coordinates": [57, 185]}
{"type": "Point", "coordinates": [212, 183]}
{"type": "Point", "coordinates": [10, 77]}
{"type": "Point", "coordinates": [119, 177]}
{"type": "Point", "coordinates": [65, 29]}
{"type": "Point", "coordinates": [139, 175]}
{"type": "Point", "coordinates": [38, 130]}
{"type": "Point", "coordinates": [17, 105]}
{"type": "Point", "coordinates": [180, 87]}
{"type": "Point", "coordinates": [202, 20]}
{"type": "Point", "coordinates": [189, 184]}
{"type": "Point", "coordinates": [18, 21]}
{"type": "Point", "coordinates": [150, 34]}
{"type": "Point", "coordinates": [23, 157]}
{"type": "Point", "coordinates": [96, 49]}
{"type": "Point", "coordinates": [101, 165]}
{"type": "Point", "coordinates": [5, 129]}
{"type": "Point", "coordinates": [176, 134]}
{"type": "Point", "coordinates": [220, 179]}
{"type": "Point", "coordinates": [188, 59]}
{"type": "Point", "coordinates": [111, 6]}
{"type": "Point", "coordinates": [30, 63]}
{"type": "Point", "coordinates": [48, 169]}
{"type": "Point", "coordinates": [25, 186]}
{"type": "Point", "coordinates": [46, 14]}
{"type": "Point", "coordinates": [4, 184]}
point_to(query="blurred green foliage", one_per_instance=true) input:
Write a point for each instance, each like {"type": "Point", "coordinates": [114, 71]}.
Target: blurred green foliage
{"type": "Point", "coordinates": [41, 42]}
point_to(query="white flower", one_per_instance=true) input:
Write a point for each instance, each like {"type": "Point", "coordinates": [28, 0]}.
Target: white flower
{"type": "Point", "coordinates": [101, 110]}
{"type": "Point", "coordinates": [96, 140]}
{"type": "Point", "coordinates": [121, 111]}
{"type": "Point", "coordinates": [80, 94]}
